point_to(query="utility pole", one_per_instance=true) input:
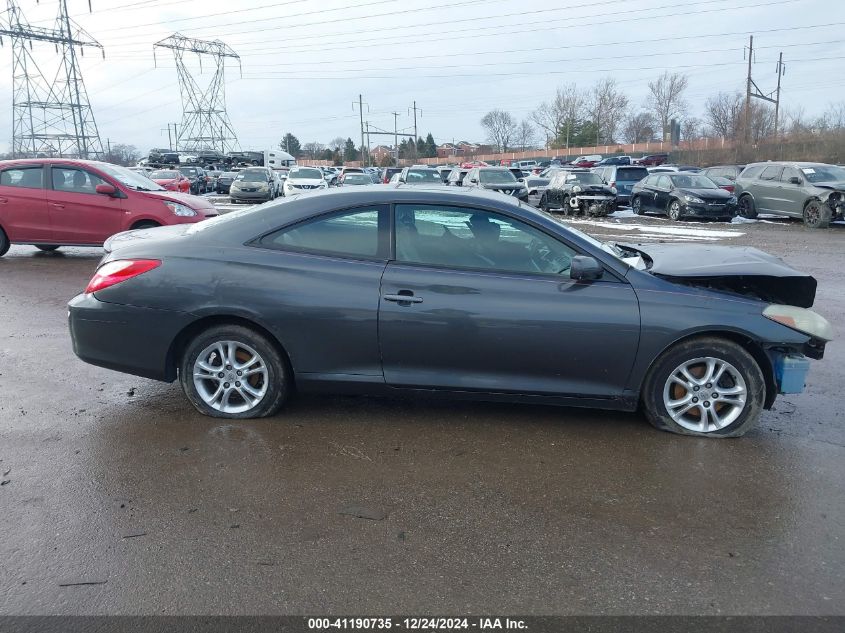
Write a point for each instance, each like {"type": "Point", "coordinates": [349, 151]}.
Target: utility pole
{"type": "Point", "coordinates": [368, 142]}
{"type": "Point", "coordinates": [396, 135]}
{"type": "Point", "coordinates": [361, 115]}
{"type": "Point", "coordinates": [781, 70]}
{"type": "Point", "coordinates": [753, 91]}
{"type": "Point", "coordinates": [175, 137]}
{"type": "Point", "coordinates": [748, 91]}
{"type": "Point", "coordinates": [416, 133]}
{"type": "Point", "coordinates": [169, 138]}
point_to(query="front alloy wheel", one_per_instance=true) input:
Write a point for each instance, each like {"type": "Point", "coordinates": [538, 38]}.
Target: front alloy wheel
{"type": "Point", "coordinates": [706, 386]}
{"type": "Point", "coordinates": [637, 206]}
{"type": "Point", "coordinates": [816, 215]}
{"type": "Point", "coordinates": [674, 210]}
{"type": "Point", "coordinates": [234, 372]}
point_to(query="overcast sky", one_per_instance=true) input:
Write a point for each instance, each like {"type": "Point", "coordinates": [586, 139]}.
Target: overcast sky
{"type": "Point", "coordinates": [305, 62]}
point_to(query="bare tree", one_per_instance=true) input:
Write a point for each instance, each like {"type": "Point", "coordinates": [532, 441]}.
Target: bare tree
{"type": "Point", "coordinates": [313, 149]}
{"type": "Point", "coordinates": [501, 129]}
{"type": "Point", "coordinates": [833, 118]}
{"type": "Point", "coordinates": [690, 128]}
{"type": "Point", "coordinates": [607, 106]}
{"type": "Point", "coordinates": [666, 98]}
{"type": "Point", "coordinates": [336, 144]}
{"type": "Point", "coordinates": [762, 121]}
{"type": "Point", "coordinates": [559, 117]}
{"type": "Point", "coordinates": [122, 154]}
{"type": "Point", "coordinates": [638, 128]}
{"type": "Point", "coordinates": [525, 135]}
{"type": "Point", "coordinates": [724, 114]}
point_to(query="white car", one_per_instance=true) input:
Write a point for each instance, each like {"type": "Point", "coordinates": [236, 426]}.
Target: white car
{"type": "Point", "coordinates": [304, 179]}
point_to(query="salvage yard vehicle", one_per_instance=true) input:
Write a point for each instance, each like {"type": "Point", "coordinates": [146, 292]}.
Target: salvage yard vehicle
{"type": "Point", "coordinates": [622, 178]}
{"type": "Point", "coordinates": [578, 192]}
{"type": "Point", "coordinates": [307, 179]}
{"type": "Point", "coordinates": [254, 184]}
{"type": "Point", "coordinates": [171, 179]}
{"type": "Point", "coordinates": [814, 192]}
{"type": "Point", "coordinates": [351, 180]}
{"type": "Point", "coordinates": [653, 160]}
{"type": "Point", "coordinates": [224, 181]}
{"type": "Point", "coordinates": [499, 179]}
{"type": "Point", "coordinates": [53, 202]}
{"type": "Point", "coordinates": [731, 172]}
{"type": "Point", "coordinates": [456, 176]}
{"type": "Point", "coordinates": [197, 177]}
{"type": "Point", "coordinates": [586, 161]}
{"type": "Point", "coordinates": [428, 290]}
{"type": "Point", "coordinates": [420, 175]}
{"type": "Point", "coordinates": [680, 195]}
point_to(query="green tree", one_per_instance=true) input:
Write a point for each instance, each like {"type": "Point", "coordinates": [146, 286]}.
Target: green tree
{"type": "Point", "coordinates": [290, 144]}
{"type": "Point", "coordinates": [430, 147]}
{"type": "Point", "coordinates": [350, 152]}
{"type": "Point", "coordinates": [328, 154]}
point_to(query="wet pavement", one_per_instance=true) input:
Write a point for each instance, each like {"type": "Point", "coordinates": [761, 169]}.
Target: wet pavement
{"type": "Point", "coordinates": [118, 498]}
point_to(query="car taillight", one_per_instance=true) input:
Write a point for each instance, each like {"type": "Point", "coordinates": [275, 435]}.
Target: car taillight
{"type": "Point", "coordinates": [119, 270]}
{"type": "Point", "coordinates": [613, 184]}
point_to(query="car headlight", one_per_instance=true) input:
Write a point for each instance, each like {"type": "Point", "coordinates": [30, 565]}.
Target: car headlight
{"type": "Point", "coordinates": [576, 189]}
{"type": "Point", "coordinates": [693, 199]}
{"type": "Point", "coordinates": [180, 209]}
{"type": "Point", "coordinates": [613, 189]}
{"type": "Point", "coordinates": [235, 185]}
{"type": "Point", "coordinates": [800, 319]}
{"type": "Point", "coordinates": [263, 187]}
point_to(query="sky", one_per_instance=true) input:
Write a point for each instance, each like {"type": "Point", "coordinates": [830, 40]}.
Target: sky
{"type": "Point", "coordinates": [303, 62]}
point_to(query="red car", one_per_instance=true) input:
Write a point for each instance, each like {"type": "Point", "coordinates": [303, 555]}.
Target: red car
{"type": "Point", "coordinates": [52, 202]}
{"type": "Point", "coordinates": [171, 179]}
{"type": "Point", "coordinates": [654, 160]}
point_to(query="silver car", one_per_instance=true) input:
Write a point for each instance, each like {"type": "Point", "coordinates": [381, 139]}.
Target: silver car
{"type": "Point", "coordinates": [814, 192]}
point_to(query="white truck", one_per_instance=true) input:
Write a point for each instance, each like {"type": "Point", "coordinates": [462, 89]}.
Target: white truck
{"type": "Point", "coordinates": [274, 158]}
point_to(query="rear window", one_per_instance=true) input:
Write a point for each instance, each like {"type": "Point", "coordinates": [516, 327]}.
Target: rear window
{"type": "Point", "coordinates": [631, 174]}
{"type": "Point", "coordinates": [752, 172]}
{"type": "Point", "coordinates": [27, 177]}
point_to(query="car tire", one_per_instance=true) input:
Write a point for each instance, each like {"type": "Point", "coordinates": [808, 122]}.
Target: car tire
{"type": "Point", "coordinates": [816, 215]}
{"type": "Point", "coordinates": [270, 382]}
{"type": "Point", "coordinates": [4, 243]}
{"type": "Point", "coordinates": [47, 248]}
{"type": "Point", "coordinates": [674, 210]}
{"type": "Point", "coordinates": [565, 209]}
{"type": "Point", "coordinates": [740, 380]}
{"type": "Point", "coordinates": [746, 207]}
{"type": "Point", "coordinates": [637, 205]}
{"type": "Point", "coordinates": [544, 204]}
{"type": "Point", "coordinates": [147, 224]}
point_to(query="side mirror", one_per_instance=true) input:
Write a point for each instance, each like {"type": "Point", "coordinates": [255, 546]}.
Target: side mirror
{"type": "Point", "coordinates": [474, 180]}
{"type": "Point", "coordinates": [795, 180]}
{"type": "Point", "coordinates": [106, 189]}
{"type": "Point", "coordinates": [585, 268]}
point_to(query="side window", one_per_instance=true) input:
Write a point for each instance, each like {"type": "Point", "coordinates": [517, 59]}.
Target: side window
{"type": "Point", "coordinates": [75, 180]}
{"type": "Point", "coordinates": [471, 238]}
{"type": "Point", "coordinates": [352, 233]}
{"type": "Point", "coordinates": [790, 172]}
{"type": "Point", "coordinates": [772, 172]}
{"type": "Point", "coordinates": [26, 177]}
{"type": "Point", "coordinates": [663, 182]}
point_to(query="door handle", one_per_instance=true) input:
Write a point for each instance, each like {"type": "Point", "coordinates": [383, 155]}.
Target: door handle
{"type": "Point", "coordinates": [403, 298]}
{"type": "Point", "coordinates": [3, 200]}
{"type": "Point", "coordinates": [57, 205]}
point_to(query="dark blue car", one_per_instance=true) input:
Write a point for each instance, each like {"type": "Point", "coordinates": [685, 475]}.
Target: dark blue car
{"type": "Point", "coordinates": [439, 291]}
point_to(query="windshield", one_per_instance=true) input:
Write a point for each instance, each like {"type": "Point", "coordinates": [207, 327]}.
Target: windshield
{"type": "Point", "coordinates": [129, 178]}
{"type": "Point", "coordinates": [422, 175]}
{"type": "Point", "coordinates": [253, 175]}
{"type": "Point", "coordinates": [188, 171]}
{"type": "Point", "coordinates": [633, 174]}
{"type": "Point", "coordinates": [357, 179]}
{"type": "Point", "coordinates": [585, 178]}
{"type": "Point", "coordinates": [823, 173]}
{"type": "Point", "coordinates": [165, 175]}
{"type": "Point", "coordinates": [692, 181]}
{"type": "Point", "coordinates": [496, 175]}
{"type": "Point", "coordinates": [306, 172]}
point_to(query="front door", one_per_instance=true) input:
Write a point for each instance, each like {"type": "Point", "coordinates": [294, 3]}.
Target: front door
{"type": "Point", "coordinates": [78, 213]}
{"type": "Point", "coordinates": [482, 302]}
{"type": "Point", "coordinates": [23, 204]}
{"type": "Point", "coordinates": [661, 194]}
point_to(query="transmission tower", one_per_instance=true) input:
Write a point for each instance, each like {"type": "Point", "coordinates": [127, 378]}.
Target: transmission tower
{"type": "Point", "coordinates": [205, 123]}
{"type": "Point", "coordinates": [50, 118]}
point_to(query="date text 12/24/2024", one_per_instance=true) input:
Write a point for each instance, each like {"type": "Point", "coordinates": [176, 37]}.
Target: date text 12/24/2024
{"type": "Point", "coordinates": [417, 624]}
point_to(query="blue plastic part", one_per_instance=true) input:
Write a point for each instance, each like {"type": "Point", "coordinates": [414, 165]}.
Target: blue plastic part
{"type": "Point", "coordinates": [791, 372]}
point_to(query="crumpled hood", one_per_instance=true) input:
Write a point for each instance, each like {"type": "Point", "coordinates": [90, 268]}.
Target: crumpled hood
{"type": "Point", "coordinates": [740, 269]}
{"type": "Point", "coordinates": [836, 186]}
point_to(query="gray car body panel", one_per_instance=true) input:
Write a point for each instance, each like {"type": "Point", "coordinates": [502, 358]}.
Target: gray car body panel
{"type": "Point", "coordinates": [581, 343]}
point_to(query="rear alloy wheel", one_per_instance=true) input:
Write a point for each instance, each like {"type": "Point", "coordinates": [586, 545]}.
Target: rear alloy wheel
{"type": "Point", "coordinates": [4, 243]}
{"type": "Point", "coordinates": [544, 204]}
{"type": "Point", "coordinates": [564, 207]}
{"type": "Point", "coordinates": [230, 371]}
{"type": "Point", "coordinates": [674, 210]}
{"type": "Point", "coordinates": [47, 248]}
{"type": "Point", "coordinates": [816, 215]}
{"type": "Point", "coordinates": [746, 208]}
{"type": "Point", "coordinates": [709, 387]}
{"type": "Point", "coordinates": [637, 206]}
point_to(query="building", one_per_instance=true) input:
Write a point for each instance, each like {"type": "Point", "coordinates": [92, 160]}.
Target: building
{"type": "Point", "coordinates": [462, 149]}
{"type": "Point", "coordinates": [380, 151]}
